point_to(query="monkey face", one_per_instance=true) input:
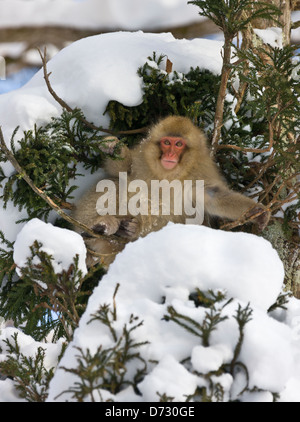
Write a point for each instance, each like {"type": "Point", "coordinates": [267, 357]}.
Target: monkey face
{"type": "Point", "coordinates": [172, 148]}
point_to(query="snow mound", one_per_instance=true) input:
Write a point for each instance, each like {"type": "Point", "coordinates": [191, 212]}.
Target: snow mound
{"type": "Point", "coordinates": [61, 244]}
{"type": "Point", "coordinates": [245, 265]}
{"type": "Point", "coordinates": [101, 68]}
{"type": "Point", "coordinates": [162, 270]}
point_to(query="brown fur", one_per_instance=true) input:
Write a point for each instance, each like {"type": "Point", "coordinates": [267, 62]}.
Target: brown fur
{"type": "Point", "coordinates": [143, 163]}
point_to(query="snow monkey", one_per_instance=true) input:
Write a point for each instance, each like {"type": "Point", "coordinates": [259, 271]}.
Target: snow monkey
{"type": "Point", "coordinates": [135, 198]}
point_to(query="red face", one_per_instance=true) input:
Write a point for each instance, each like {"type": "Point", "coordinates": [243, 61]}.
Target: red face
{"type": "Point", "coordinates": [172, 148]}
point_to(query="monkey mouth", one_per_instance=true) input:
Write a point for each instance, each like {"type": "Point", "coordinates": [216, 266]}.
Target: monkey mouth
{"type": "Point", "coordinates": [169, 164]}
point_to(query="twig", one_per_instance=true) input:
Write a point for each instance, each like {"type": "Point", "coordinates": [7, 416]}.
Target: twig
{"type": "Point", "coordinates": [254, 150]}
{"type": "Point", "coordinates": [262, 171]}
{"type": "Point", "coordinates": [42, 194]}
{"type": "Point", "coordinates": [289, 197]}
{"type": "Point", "coordinates": [243, 220]}
{"type": "Point", "coordinates": [70, 109]}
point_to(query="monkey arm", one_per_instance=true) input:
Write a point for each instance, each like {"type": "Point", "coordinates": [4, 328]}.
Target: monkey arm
{"type": "Point", "coordinates": [114, 166]}
{"type": "Point", "coordinates": [225, 203]}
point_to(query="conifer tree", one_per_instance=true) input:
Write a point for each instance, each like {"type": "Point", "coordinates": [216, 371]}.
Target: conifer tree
{"type": "Point", "coordinates": [268, 89]}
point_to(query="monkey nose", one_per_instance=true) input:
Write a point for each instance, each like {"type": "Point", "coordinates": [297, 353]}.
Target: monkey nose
{"type": "Point", "coordinates": [172, 156]}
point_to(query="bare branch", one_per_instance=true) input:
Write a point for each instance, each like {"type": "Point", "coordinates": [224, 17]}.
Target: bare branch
{"type": "Point", "coordinates": [243, 219]}
{"type": "Point", "coordinates": [226, 70]}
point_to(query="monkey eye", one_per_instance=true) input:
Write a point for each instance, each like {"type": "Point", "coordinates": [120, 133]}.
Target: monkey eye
{"type": "Point", "coordinates": [167, 142]}
{"type": "Point", "coordinates": [179, 144]}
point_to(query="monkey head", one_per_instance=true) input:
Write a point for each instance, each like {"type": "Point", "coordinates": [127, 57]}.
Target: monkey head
{"type": "Point", "coordinates": [172, 147]}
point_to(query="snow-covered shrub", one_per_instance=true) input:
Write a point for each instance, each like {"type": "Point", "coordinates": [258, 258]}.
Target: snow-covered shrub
{"type": "Point", "coordinates": [182, 314]}
{"type": "Point", "coordinates": [197, 322]}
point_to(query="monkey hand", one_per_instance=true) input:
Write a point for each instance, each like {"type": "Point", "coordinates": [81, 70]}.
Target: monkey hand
{"type": "Point", "coordinates": [109, 144]}
{"type": "Point", "coordinates": [259, 215]}
{"type": "Point", "coordinates": [107, 224]}
{"type": "Point", "coordinates": [129, 228]}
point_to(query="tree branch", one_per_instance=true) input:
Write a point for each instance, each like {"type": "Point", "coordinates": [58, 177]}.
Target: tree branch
{"type": "Point", "coordinates": [243, 219]}
{"type": "Point", "coordinates": [8, 154]}
{"type": "Point", "coordinates": [226, 70]}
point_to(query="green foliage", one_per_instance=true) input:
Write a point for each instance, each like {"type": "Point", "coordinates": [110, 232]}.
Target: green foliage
{"type": "Point", "coordinates": [31, 377]}
{"type": "Point", "coordinates": [192, 94]}
{"type": "Point", "coordinates": [7, 266]}
{"type": "Point", "coordinates": [44, 301]}
{"type": "Point", "coordinates": [267, 120]}
{"type": "Point", "coordinates": [203, 330]}
{"type": "Point", "coordinates": [216, 305]}
{"type": "Point", "coordinates": [280, 303]}
{"type": "Point", "coordinates": [50, 156]}
{"type": "Point", "coordinates": [273, 102]}
{"type": "Point", "coordinates": [232, 16]}
{"type": "Point", "coordinates": [107, 368]}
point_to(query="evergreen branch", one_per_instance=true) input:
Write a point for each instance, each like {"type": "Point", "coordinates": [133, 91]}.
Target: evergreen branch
{"type": "Point", "coordinates": [292, 196]}
{"type": "Point", "coordinates": [42, 194]}
{"type": "Point", "coordinates": [56, 292]}
{"type": "Point", "coordinates": [231, 17]}
{"type": "Point", "coordinates": [211, 320]}
{"type": "Point", "coordinates": [29, 374]}
{"type": "Point", "coordinates": [103, 314]}
{"type": "Point", "coordinates": [254, 150]}
{"type": "Point", "coordinates": [271, 133]}
{"type": "Point", "coordinates": [106, 368]}
{"type": "Point", "coordinates": [243, 316]}
{"type": "Point", "coordinates": [281, 301]}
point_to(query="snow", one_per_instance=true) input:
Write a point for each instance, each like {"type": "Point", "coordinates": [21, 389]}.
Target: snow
{"type": "Point", "coordinates": [206, 359]}
{"type": "Point", "coordinates": [61, 244]}
{"type": "Point", "coordinates": [272, 36]}
{"type": "Point", "coordinates": [145, 279]}
{"type": "Point", "coordinates": [104, 78]}
{"type": "Point", "coordinates": [163, 269]}
{"type": "Point", "coordinates": [28, 348]}
{"type": "Point", "coordinates": [96, 74]}
{"type": "Point", "coordinates": [96, 14]}
{"type": "Point", "coordinates": [168, 372]}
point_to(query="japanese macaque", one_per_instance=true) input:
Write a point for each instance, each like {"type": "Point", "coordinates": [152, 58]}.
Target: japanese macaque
{"type": "Point", "coordinates": [174, 150]}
